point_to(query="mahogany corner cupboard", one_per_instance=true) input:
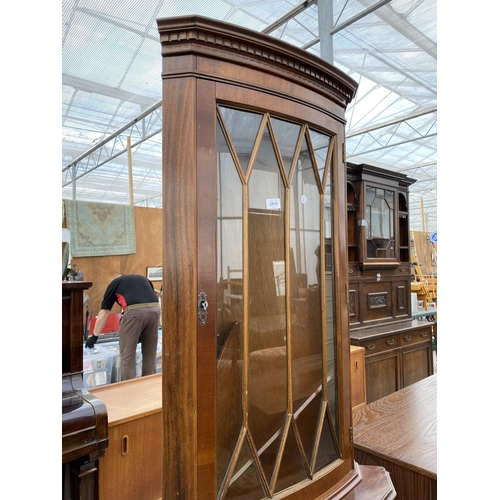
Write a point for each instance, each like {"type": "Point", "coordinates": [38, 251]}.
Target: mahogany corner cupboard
{"type": "Point", "coordinates": [255, 377]}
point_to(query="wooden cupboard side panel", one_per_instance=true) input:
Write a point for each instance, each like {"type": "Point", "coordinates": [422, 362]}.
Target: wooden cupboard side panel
{"type": "Point", "coordinates": [180, 293]}
{"type": "Point", "coordinates": [132, 466]}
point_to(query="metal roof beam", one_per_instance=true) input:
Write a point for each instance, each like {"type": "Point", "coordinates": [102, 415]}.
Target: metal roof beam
{"type": "Point", "coordinates": [353, 19]}
{"type": "Point", "coordinates": [401, 25]}
{"type": "Point", "coordinates": [289, 15]}
{"type": "Point", "coordinates": [107, 19]}
{"type": "Point", "coordinates": [387, 146]}
{"type": "Point", "coordinates": [80, 84]}
{"type": "Point", "coordinates": [392, 122]}
{"type": "Point", "coordinates": [145, 126]}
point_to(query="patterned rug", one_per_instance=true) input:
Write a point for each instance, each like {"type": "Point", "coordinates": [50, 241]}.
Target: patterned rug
{"type": "Point", "coordinates": [100, 228]}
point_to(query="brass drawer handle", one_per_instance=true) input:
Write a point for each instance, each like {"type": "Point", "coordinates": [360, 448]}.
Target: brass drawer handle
{"type": "Point", "coordinates": [424, 334]}
{"type": "Point", "coordinates": [389, 342]}
{"type": "Point", "coordinates": [407, 337]}
{"type": "Point", "coordinates": [371, 346]}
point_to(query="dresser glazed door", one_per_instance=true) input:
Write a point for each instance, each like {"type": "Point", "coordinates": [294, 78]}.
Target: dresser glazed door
{"type": "Point", "coordinates": [276, 391]}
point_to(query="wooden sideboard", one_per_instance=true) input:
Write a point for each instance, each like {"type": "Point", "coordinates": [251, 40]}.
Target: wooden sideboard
{"type": "Point", "coordinates": [132, 466]}
{"type": "Point", "coordinates": [396, 355]}
{"type": "Point", "coordinates": [399, 433]}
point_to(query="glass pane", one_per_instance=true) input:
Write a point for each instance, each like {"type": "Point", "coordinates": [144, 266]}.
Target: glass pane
{"type": "Point", "coordinates": [292, 470]}
{"type": "Point", "coordinates": [380, 227]}
{"type": "Point", "coordinates": [305, 297]}
{"type": "Point", "coordinates": [229, 305]}
{"type": "Point", "coordinates": [267, 377]}
{"type": "Point", "coordinates": [331, 353]}
{"type": "Point", "coordinates": [305, 268]}
{"type": "Point", "coordinates": [265, 188]}
{"type": "Point", "coordinates": [306, 417]}
{"type": "Point", "coordinates": [320, 144]}
{"type": "Point", "coordinates": [286, 134]}
{"type": "Point", "coordinates": [253, 374]}
{"type": "Point", "coordinates": [327, 452]}
{"type": "Point", "coordinates": [230, 239]}
{"type": "Point", "coordinates": [370, 195]}
{"type": "Point", "coordinates": [371, 249]}
{"type": "Point", "coordinates": [389, 197]}
{"type": "Point", "coordinates": [245, 483]}
{"type": "Point", "coordinates": [380, 219]}
{"type": "Point", "coordinates": [242, 127]}
{"type": "Point", "coordinates": [229, 398]}
{"type": "Point", "coordinates": [390, 249]}
{"type": "Point", "coordinates": [368, 222]}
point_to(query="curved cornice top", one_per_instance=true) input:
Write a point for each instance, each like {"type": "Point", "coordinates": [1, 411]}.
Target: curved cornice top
{"type": "Point", "coordinates": [198, 30]}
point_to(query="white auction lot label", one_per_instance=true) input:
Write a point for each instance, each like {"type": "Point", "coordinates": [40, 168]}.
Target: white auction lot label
{"type": "Point", "coordinates": [273, 203]}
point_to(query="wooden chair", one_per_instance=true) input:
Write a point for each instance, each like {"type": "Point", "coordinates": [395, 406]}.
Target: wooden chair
{"type": "Point", "coordinates": [426, 290]}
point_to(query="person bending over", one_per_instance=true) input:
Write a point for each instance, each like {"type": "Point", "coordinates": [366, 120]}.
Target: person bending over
{"type": "Point", "coordinates": [135, 294]}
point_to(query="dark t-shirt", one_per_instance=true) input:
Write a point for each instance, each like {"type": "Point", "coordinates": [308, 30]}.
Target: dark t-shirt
{"type": "Point", "coordinates": [128, 289]}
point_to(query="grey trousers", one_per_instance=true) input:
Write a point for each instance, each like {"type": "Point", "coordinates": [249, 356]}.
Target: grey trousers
{"type": "Point", "coordinates": [138, 323]}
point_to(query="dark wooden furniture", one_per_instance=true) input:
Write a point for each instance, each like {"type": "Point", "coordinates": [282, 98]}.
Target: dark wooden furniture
{"type": "Point", "coordinates": [132, 466]}
{"type": "Point", "coordinates": [396, 355]}
{"type": "Point", "coordinates": [84, 416]}
{"type": "Point", "coordinates": [256, 388]}
{"type": "Point", "coordinates": [399, 432]}
{"type": "Point", "coordinates": [378, 237]}
{"type": "Point", "coordinates": [398, 351]}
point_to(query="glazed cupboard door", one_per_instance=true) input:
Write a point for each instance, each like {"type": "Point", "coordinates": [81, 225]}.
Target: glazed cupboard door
{"type": "Point", "coordinates": [276, 398]}
{"type": "Point", "coordinates": [254, 351]}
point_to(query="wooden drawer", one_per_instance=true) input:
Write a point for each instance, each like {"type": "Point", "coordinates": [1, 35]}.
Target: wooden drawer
{"type": "Point", "coordinates": [415, 336]}
{"type": "Point", "coordinates": [380, 344]}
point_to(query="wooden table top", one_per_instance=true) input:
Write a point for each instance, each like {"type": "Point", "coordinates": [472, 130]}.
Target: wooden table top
{"type": "Point", "coordinates": [402, 427]}
{"type": "Point", "coordinates": [131, 399]}
{"type": "Point", "coordinates": [375, 331]}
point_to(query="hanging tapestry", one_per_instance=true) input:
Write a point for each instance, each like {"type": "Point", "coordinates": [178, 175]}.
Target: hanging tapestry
{"type": "Point", "coordinates": [100, 228]}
